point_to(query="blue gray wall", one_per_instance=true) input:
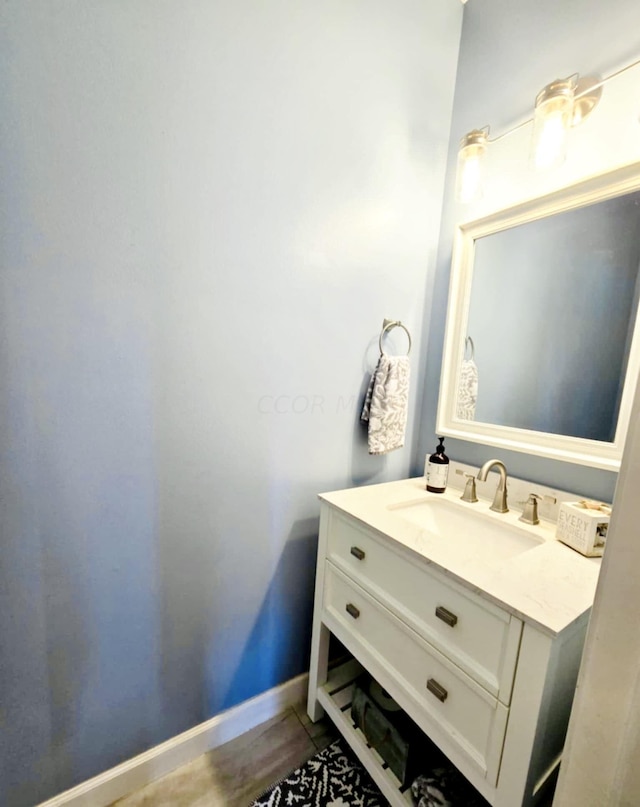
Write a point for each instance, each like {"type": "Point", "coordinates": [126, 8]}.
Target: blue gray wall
{"type": "Point", "coordinates": [508, 52]}
{"type": "Point", "coordinates": [207, 210]}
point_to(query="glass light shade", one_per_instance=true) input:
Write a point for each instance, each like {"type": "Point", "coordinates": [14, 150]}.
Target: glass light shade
{"type": "Point", "coordinates": [551, 123]}
{"type": "Point", "coordinates": [471, 158]}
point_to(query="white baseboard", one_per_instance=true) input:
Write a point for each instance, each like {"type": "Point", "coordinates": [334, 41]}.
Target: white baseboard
{"type": "Point", "coordinates": [139, 771]}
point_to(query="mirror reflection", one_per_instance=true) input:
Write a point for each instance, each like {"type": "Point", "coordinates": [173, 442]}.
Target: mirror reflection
{"type": "Point", "coordinates": [551, 316]}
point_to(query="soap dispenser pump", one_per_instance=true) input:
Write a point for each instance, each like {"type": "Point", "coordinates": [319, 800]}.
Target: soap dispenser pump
{"type": "Point", "coordinates": [437, 469]}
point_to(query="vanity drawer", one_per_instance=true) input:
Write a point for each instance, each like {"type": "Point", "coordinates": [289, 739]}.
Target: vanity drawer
{"type": "Point", "coordinates": [436, 693]}
{"type": "Point", "coordinates": [477, 635]}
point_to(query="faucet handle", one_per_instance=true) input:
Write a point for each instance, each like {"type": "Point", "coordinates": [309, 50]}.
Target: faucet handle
{"type": "Point", "coordinates": [532, 497]}
{"type": "Point", "coordinates": [530, 512]}
{"type": "Point", "coordinates": [469, 494]}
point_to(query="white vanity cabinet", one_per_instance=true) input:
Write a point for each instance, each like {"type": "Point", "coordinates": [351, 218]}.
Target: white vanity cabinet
{"type": "Point", "coordinates": [492, 690]}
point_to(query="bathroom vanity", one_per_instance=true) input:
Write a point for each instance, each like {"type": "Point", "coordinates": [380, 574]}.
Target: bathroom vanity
{"type": "Point", "coordinates": [472, 621]}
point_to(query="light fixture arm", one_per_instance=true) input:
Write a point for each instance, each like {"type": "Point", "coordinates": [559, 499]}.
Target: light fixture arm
{"type": "Point", "coordinates": [608, 78]}
{"type": "Point", "coordinates": [513, 129]}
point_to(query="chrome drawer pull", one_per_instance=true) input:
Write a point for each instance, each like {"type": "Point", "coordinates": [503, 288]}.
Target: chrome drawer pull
{"type": "Point", "coordinates": [446, 616]}
{"type": "Point", "coordinates": [357, 552]}
{"type": "Point", "coordinates": [352, 610]}
{"type": "Point", "coordinates": [439, 691]}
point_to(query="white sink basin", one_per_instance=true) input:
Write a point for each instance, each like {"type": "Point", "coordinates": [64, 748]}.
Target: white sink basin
{"type": "Point", "coordinates": [474, 531]}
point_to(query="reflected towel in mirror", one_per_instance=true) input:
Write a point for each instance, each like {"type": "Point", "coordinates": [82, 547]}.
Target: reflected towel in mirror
{"type": "Point", "coordinates": [386, 403]}
{"type": "Point", "coordinates": [467, 390]}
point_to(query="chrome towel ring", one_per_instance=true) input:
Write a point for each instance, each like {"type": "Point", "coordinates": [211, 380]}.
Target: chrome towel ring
{"type": "Point", "coordinates": [388, 325]}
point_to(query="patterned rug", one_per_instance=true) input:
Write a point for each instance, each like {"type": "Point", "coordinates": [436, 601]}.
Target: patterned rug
{"type": "Point", "coordinates": [332, 778]}
{"type": "Point", "coordinates": [335, 778]}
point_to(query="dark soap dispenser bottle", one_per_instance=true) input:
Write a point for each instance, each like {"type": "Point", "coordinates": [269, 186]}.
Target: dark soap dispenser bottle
{"type": "Point", "coordinates": [438, 469]}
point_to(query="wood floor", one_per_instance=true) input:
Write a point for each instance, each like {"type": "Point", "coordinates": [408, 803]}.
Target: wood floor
{"type": "Point", "coordinates": [236, 773]}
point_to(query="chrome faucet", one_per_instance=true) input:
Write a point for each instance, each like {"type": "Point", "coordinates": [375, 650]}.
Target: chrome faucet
{"type": "Point", "coordinates": [500, 499]}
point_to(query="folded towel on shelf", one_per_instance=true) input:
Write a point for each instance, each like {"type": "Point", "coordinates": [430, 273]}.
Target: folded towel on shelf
{"type": "Point", "coordinates": [386, 403]}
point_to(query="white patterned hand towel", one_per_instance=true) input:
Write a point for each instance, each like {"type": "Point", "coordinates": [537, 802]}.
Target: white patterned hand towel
{"type": "Point", "coordinates": [386, 402]}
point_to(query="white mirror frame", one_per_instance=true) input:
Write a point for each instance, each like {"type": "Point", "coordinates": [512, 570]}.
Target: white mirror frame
{"type": "Point", "coordinates": [543, 444]}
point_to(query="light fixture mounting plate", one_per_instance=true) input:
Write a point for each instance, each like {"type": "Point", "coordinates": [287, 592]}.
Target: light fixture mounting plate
{"type": "Point", "coordinates": [588, 100]}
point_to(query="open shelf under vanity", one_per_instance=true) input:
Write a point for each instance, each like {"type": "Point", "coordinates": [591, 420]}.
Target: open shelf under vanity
{"type": "Point", "coordinates": [336, 698]}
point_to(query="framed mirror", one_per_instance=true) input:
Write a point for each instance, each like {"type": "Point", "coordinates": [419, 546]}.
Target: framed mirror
{"type": "Point", "coordinates": [542, 344]}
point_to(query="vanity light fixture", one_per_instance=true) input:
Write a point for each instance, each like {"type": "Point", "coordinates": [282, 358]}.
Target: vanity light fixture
{"type": "Point", "coordinates": [551, 122]}
{"type": "Point", "coordinates": [559, 105]}
{"type": "Point", "coordinates": [473, 148]}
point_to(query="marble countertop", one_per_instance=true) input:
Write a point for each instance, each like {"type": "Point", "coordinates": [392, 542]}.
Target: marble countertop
{"type": "Point", "coordinates": [549, 585]}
